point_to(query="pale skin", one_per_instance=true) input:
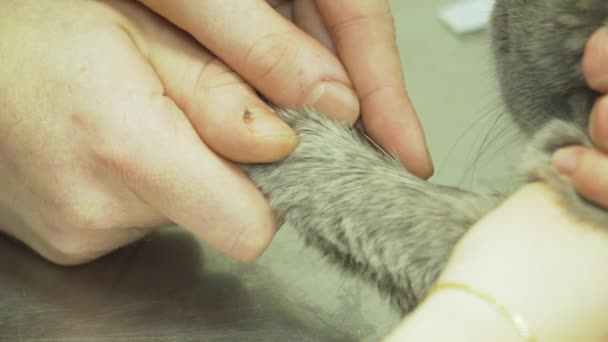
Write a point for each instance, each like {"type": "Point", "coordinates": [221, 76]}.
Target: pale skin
{"type": "Point", "coordinates": [113, 121]}
{"type": "Point", "coordinates": [533, 257]}
{"type": "Point", "coordinates": [587, 168]}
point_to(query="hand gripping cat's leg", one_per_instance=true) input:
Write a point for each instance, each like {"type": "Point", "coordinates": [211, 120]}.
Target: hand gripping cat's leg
{"type": "Point", "coordinates": [364, 211]}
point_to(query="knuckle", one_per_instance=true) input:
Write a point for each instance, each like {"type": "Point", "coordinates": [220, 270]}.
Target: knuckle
{"type": "Point", "coordinates": [119, 163]}
{"type": "Point", "coordinates": [68, 230]}
{"type": "Point", "coordinates": [365, 24]}
{"type": "Point", "coordinates": [379, 90]}
{"type": "Point", "coordinates": [266, 57]}
{"type": "Point", "coordinates": [65, 245]}
{"type": "Point", "coordinates": [84, 209]}
{"type": "Point", "coordinates": [216, 74]}
{"type": "Point", "coordinates": [68, 250]}
{"type": "Point", "coordinates": [71, 217]}
{"type": "Point", "coordinates": [128, 154]}
{"type": "Point", "coordinates": [211, 76]}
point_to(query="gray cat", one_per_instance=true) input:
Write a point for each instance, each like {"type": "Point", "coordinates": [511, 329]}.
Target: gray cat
{"type": "Point", "coordinates": [359, 207]}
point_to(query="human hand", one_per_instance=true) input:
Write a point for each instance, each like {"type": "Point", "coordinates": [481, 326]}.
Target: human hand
{"type": "Point", "coordinates": [101, 108]}
{"type": "Point", "coordinates": [293, 65]}
{"type": "Point", "coordinates": [587, 168]}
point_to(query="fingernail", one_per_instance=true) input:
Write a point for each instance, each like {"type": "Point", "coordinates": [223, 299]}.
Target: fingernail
{"type": "Point", "coordinates": [566, 159]}
{"type": "Point", "coordinates": [265, 124]}
{"type": "Point", "coordinates": [336, 100]}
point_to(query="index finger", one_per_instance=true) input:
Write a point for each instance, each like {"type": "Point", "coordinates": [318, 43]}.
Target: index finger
{"type": "Point", "coordinates": [364, 35]}
{"type": "Point", "coordinates": [283, 63]}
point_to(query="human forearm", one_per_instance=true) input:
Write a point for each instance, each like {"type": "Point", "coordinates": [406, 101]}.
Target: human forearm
{"type": "Point", "coordinates": [535, 259]}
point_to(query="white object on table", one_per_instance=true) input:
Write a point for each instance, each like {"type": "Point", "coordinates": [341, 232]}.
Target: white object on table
{"type": "Point", "coordinates": [467, 16]}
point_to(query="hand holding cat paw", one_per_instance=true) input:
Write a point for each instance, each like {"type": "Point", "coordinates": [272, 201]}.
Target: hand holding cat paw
{"type": "Point", "coordinates": [587, 168]}
{"type": "Point", "coordinates": [100, 136]}
{"type": "Point", "coordinates": [284, 51]}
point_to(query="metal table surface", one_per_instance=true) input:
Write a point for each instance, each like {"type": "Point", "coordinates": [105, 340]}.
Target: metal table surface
{"type": "Point", "coordinates": [168, 287]}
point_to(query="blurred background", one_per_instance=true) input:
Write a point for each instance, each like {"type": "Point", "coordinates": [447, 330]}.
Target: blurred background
{"type": "Point", "coordinates": [169, 288]}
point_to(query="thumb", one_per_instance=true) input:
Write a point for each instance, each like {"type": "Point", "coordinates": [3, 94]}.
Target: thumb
{"type": "Point", "coordinates": [587, 170]}
{"type": "Point", "coordinates": [223, 109]}
{"type": "Point", "coordinates": [169, 167]}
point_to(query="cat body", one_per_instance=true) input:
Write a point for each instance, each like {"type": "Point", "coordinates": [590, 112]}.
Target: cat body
{"type": "Point", "coordinates": [538, 46]}
{"type": "Point", "coordinates": [359, 207]}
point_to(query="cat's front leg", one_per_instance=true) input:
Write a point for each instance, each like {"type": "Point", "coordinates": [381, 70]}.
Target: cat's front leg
{"type": "Point", "coordinates": [358, 206]}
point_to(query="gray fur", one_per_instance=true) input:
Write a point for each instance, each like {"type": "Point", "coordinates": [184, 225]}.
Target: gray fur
{"type": "Point", "coordinates": [538, 45]}
{"type": "Point", "coordinates": [366, 213]}
{"type": "Point", "coordinates": [362, 209]}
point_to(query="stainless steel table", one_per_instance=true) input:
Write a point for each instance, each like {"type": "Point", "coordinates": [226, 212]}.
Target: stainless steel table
{"type": "Point", "coordinates": [170, 288]}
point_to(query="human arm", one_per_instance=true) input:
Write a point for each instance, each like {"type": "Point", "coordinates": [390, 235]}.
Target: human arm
{"type": "Point", "coordinates": [534, 257]}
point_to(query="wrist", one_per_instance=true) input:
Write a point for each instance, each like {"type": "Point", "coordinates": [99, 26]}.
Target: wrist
{"type": "Point", "coordinates": [532, 257]}
{"type": "Point", "coordinates": [454, 316]}
{"type": "Point", "coordinates": [541, 262]}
